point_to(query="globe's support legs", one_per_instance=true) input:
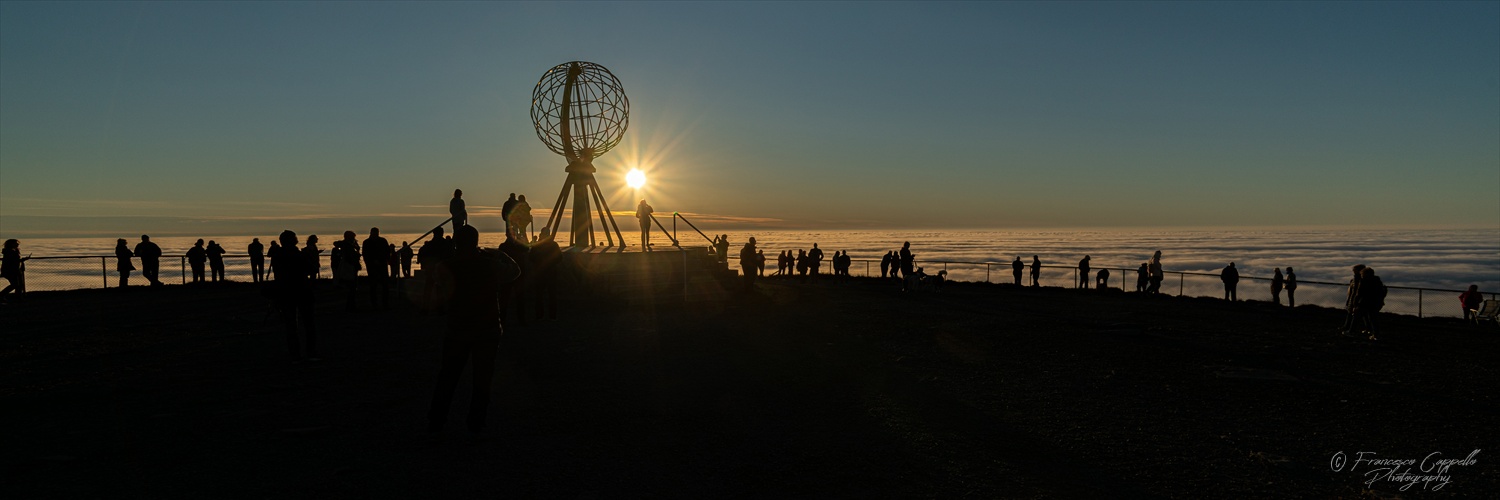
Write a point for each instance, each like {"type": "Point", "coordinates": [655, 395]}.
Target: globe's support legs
{"type": "Point", "coordinates": [581, 232]}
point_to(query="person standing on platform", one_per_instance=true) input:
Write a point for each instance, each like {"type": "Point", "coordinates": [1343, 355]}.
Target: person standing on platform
{"type": "Point", "coordinates": [814, 257]}
{"type": "Point", "coordinates": [1369, 300]}
{"type": "Point", "coordinates": [456, 209]}
{"type": "Point", "coordinates": [885, 264]}
{"type": "Point", "coordinates": [907, 262]}
{"type": "Point", "coordinates": [643, 214]}
{"type": "Point", "coordinates": [747, 264]}
{"type": "Point", "coordinates": [545, 257]}
{"type": "Point", "coordinates": [515, 292]}
{"type": "Point", "coordinates": [474, 327]}
{"type": "Point", "coordinates": [1471, 300]}
{"type": "Point", "coordinates": [345, 263]}
{"type": "Point", "coordinates": [506, 210]}
{"type": "Point", "coordinates": [433, 257]}
{"type": "Point", "coordinates": [1350, 301]}
{"type": "Point", "coordinates": [294, 296]}
{"type": "Point", "coordinates": [215, 261]}
{"type": "Point", "coordinates": [406, 255]}
{"type": "Point", "coordinates": [313, 263]}
{"type": "Point", "coordinates": [1156, 273]}
{"type": "Point", "coordinates": [1083, 272]}
{"type": "Point", "coordinates": [1036, 271]}
{"type": "Point", "coordinates": [1141, 278]}
{"type": "Point", "coordinates": [1016, 267]}
{"type": "Point", "coordinates": [1291, 288]}
{"type": "Point", "coordinates": [257, 253]}
{"type": "Point", "coordinates": [760, 263]}
{"type": "Point", "coordinates": [122, 262]}
{"type": "Point", "coordinates": [377, 253]}
{"type": "Point", "coordinates": [1276, 283]}
{"type": "Point", "coordinates": [1231, 278]}
{"type": "Point", "coordinates": [521, 214]}
{"type": "Point", "coordinates": [196, 257]}
{"type": "Point", "coordinates": [1103, 283]}
{"type": "Point", "coordinates": [150, 256]}
{"type": "Point", "coordinates": [11, 269]}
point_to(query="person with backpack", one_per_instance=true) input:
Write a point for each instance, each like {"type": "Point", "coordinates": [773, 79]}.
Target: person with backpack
{"type": "Point", "coordinates": [1369, 300]}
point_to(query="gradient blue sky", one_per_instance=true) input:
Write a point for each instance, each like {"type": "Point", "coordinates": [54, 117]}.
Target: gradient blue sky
{"type": "Point", "coordinates": [792, 114]}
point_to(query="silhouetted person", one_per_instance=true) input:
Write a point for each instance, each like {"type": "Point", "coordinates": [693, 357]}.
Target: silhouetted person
{"type": "Point", "coordinates": [747, 263]}
{"type": "Point", "coordinates": [907, 262]}
{"type": "Point", "coordinates": [1016, 267]}
{"type": "Point", "coordinates": [1141, 278]}
{"type": "Point", "coordinates": [1350, 301]}
{"type": "Point", "coordinates": [122, 262]}
{"type": "Point", "coordinates": [271, 269]}
{"type": "Point", "coordinates": [885, 264]}
{"type": "Point", "coordinates": [150, 256]}
{"type": "Point", "coordinates": [215, 260]}
{"type": "Point", "coordinates": [521, 214]}
{"type": "Point", "coordinates": [1470, 301]}
{"type": "Point", "coordinates": [1369, 300]}
{"type": "Point", "coordinates": [345, 262]}
{"type": "Point", "coordinates": [1036, 271]}
{"type": "Point", "coordinates": [433, 257]}
{"type": "Point", "coordinates": [196, 257]}
{"type": "Point", "coordinates": [802, 262]}
{"type": "Point", "coordinates": [257, 253]}
{"type": "Point", "coordinates": [456, 209]}
{"type": "Point", "coordinates": [1291, 288]}
{"type": "Point", "coordinates": [377, 254]}
{"type": "Point", "coordinates": [814, 259]}
{"type": "Point", "coordinates": [11, 268]}
{"type": "Point", "coordinates": [310, 253]}
{"type": "Point", "coordinates": [1276, 284]}
{"type": "Point", "coordinates": [506, 210]}
{"type": "Point", "coordinates": [406, 254]}
{"type": "Point", "coordinates": [1156, 273]}
{"type": "Point", "coordinates": [1103, 281]}
{"type": "Point", "coordinates": [294, 295]}
{"type": "Point", "coordinates": [1231, 278]}
{"type": "Point", "coordinates": [1083, 272]}
{"type": "Point", "coordinates": [643, 215]}
{"type": "Point", "coordinates": [721, 247]}
{"type": "Point", "coordinates": [760, 262]}
{"type": "Point", "coordinates": [394, 261]}
{"type": "Point", "coordinates": [474, 327]}
{"type": "Point", "coordinates": [546, 256]}
{"type": "Point", "coordinates": [515, 292]}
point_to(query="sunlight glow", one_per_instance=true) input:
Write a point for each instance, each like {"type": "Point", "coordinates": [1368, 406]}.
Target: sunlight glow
{"type": "Point", "coordinates": [636, 178]}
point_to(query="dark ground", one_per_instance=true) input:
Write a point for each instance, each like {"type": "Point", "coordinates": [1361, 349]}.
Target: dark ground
{"type": "Point", "coordinates": [821, 390]}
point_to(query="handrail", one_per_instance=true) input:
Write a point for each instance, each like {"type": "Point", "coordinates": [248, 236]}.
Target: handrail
{"type": "Point", "coordinates": [695, 228]}
{"type": "Point", "coordinates": [434, 228]}
{"type": "Point", "coordinates": [670, 236]}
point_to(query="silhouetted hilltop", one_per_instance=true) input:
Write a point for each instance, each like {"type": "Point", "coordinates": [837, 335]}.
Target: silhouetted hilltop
{"type": "Point", "coordinates": [807, 390]}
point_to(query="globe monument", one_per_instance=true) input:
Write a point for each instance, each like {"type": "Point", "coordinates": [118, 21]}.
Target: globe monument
{"type": "Point", "coordinates": [580, 111]}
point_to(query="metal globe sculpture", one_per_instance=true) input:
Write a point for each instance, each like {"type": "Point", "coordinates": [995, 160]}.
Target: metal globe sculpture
{"type": "Point", "coordinates": [580, 111]}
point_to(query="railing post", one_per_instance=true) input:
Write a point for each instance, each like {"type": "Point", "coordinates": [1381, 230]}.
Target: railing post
{"type": "Point", "coordinates": [1180, 278]}
{"type": "Point", "coordinates": [986, 272]}
{"type": "Point", "coordinates": [104, 271]}
{"type": "Point", "coordinates": [182, 268]}
{"type": "Point", "coordinates": [867, 269]}
{"type": "Point", "coordinates": [1419, 302]}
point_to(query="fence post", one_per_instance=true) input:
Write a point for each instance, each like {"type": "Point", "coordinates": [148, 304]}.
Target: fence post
{"type": "Point", "coordinates": [104, 271]}
{"type": "Point", "coordinates": [867, 269]}
{"type": "Point", "coordinates": [1180, 278]}
{"type": "Point", "coordinates": [182, 269]}
{"type": "Point", "coordinates": [986, 272]}
{"type": "Point", "coordinates": [1419, 302]}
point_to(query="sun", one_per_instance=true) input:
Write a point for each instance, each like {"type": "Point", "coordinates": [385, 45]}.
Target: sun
{"type": "Point", "coordinates": [636, 178]}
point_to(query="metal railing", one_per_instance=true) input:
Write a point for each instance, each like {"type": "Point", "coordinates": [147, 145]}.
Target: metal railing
{"type": "Point", "coordinates": [1399, 299]}
{"type": "Point", "coordinates": [99, 271]}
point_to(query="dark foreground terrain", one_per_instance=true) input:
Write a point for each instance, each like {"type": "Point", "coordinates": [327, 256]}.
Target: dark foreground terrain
{"type": "Point", "coordinates": [802, 390]}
